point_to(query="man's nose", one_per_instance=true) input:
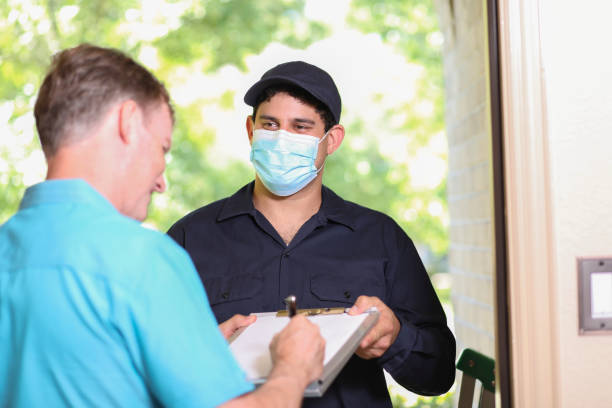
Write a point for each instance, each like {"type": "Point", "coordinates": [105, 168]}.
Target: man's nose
{"type": "Point", "coordinates": [160, 184]}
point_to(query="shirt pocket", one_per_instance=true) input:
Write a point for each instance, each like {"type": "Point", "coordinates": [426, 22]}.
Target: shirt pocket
{"type": "Point", "coordinates": [222, 289]}
{"type": "Point", "coordinates": [343, 288]}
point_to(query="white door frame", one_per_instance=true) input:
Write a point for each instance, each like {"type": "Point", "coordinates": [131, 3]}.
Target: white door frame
{"type": "Point", "coordinates": [530, 240]}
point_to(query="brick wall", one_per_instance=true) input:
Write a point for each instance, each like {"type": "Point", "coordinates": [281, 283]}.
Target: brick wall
{"type": "Point", "coordinates": [470, 198]}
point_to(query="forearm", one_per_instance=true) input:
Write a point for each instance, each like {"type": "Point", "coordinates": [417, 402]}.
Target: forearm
{"type": "Point", "coordinates": [422, 359]}
{"type": "Point", "coordinates": [282, 389]}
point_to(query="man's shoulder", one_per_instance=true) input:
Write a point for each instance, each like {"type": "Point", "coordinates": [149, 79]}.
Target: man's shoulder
{"type": "Point", "coordinates": [134, 257]}
{"type": "Point", "coordinates": [203, 215]}
{"type": "Point", "coordinates": [358, 211]}
{"type": "Point", "coordinates": [96, 243]}
{"type": "Point", "coordinates": [362, 210]}
{"type": "Point", "coordinates": [131, 235]}
{"type": "Point", "coordinates": [238, 203]}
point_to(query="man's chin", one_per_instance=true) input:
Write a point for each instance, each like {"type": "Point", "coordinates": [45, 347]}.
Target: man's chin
{"type": "Point", "coordinates": [139, 214]}
{"type": "Point", "coordinates": [139, 211]}
{"type": "Point", "coordinates": [144, 213]}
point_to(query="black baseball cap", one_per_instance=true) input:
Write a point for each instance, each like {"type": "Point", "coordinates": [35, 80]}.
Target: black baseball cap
{"type": "Point", "coordinates": [310, 78]}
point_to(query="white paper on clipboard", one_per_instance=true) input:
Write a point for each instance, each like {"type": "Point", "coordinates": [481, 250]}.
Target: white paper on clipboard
{"type": "Point", "coordinates": [342, 334]}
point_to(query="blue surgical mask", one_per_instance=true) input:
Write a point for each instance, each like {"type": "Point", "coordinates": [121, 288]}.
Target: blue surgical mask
{"type": "Point", "coordinates": [284, 162]}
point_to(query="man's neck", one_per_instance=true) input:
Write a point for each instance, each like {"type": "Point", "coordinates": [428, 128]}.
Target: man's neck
{"type": "Point", "coordinates": [74, 164]}
{"type": "Point", "coordinates": [288, 214]}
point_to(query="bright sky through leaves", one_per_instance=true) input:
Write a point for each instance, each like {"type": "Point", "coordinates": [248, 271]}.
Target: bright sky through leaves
{"type": "Point", "coordinates": [209, 52]}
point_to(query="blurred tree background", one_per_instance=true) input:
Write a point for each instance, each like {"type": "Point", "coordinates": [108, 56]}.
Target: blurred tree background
{"type": "Point", "coordinates": [185, 36]}
{"type": "Point", "coordinates": [394, 155]}
{"type": "Point", "coordinates": [204, 36]}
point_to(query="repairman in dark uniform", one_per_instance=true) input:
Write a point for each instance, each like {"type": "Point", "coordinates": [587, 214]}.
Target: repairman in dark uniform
{"type": "Point", "coordinates": [285, 233]}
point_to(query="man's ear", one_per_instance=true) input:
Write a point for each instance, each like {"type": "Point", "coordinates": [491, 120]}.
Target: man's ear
{"type": "Point", "coordinates": [130, 120]}
{"type": "Point", "coordinates": [335, 136]}
{"type": "Point", "coordinates": [250, 125]}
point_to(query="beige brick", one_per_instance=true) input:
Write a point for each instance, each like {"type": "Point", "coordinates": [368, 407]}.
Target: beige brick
{"type": "Point", "coordinates": [475, 288]}
{"type": "Point", "coordinates": [476, 234]}
{"type": "Point", "coordinates": [468, 101]}
{"type": "Point", "coordinates": [475, 149]}
{"type": "Point", "coordinates": [470, 205]}
{"type": "Point", "coordinates": [469, 178]}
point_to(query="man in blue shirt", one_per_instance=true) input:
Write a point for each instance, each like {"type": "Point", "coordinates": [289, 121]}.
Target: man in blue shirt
{"type": "Point", "coordinates": [287, 233]}
{"type": "Point", "coordinates": [94, 309]}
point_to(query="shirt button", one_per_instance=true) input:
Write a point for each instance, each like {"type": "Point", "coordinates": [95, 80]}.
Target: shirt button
{"type": "Point", "coordinates": [347, 294]}
{"type": "Point", "coordinates": [225, 295]}
{"type": "Point", "coordinates": [286, 255]}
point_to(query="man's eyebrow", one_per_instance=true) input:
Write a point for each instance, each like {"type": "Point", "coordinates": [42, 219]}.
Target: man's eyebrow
{"type": "Point", "coordinates": [301, 120]}
{"type": "Point", "coordinates": [268, 117]}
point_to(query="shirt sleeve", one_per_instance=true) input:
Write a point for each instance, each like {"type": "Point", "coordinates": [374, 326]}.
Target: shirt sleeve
{"type": "Point", "coordinates": [177, 233]}
{"type": "Point", "coordinates": [174, 337]}
{"type": "Point", "coordinates": [422, 358]}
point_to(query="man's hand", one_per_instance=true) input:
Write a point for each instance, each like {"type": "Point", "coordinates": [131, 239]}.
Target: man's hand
{"type": "Point", "coordinates": [298, 350]}
{"type": "Point", "coordinates": [384, 332]}
{"type": "Point", "coordinates": [234, 323]}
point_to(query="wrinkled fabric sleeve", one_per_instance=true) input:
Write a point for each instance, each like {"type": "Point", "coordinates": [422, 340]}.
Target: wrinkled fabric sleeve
{"type": "Point", "coordinates": [174, 338]}
{"type": "Point", "coordinates": [422, 358]}
{"type": "Point", "coordinates": [177, 233]}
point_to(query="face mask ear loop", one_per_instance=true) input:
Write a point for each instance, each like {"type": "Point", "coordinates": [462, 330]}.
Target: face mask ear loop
{"type": "Point", "coordinates": [323, 138]}
{"type": "Point", "coordinates": [323, 165]}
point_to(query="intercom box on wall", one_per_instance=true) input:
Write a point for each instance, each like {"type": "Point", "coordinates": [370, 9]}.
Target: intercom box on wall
{"type": "Point", "coordinates": [595, 295]}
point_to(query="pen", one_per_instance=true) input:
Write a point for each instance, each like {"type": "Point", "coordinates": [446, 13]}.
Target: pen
{"type": "Point", "coordinates": [291, 306]}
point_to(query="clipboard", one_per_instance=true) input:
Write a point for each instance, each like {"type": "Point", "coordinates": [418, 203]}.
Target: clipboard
{"type": "Point", "coordinates": [342, 334]}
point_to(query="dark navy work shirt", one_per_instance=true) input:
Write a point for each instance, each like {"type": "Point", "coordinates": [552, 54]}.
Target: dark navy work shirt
{"type": "Point", "coordinates": [343, 251]}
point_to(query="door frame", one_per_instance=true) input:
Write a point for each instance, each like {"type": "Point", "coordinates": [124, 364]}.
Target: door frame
{"type": "Point", "coordinates": [527, 353]}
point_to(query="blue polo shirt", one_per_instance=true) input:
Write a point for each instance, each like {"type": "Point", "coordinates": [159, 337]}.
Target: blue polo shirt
{"type": "Point", "coordinates": [96, 310]}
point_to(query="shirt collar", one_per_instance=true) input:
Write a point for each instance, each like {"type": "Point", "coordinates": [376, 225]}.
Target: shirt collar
{"type": "Point", "coordinates": [333, 207]}
{"type": "Point", "coordinates": [238, 204]}
{"type": "Point", "coordinates": [64, 191]}
{"type": "Point", "coordinates": [336, 209]}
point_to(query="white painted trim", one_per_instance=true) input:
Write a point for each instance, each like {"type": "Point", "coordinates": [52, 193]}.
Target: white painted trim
{"type": "Point", "coordinates": [531, 263]}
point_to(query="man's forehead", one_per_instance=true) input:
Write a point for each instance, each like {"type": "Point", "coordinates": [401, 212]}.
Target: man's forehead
{"type": "Point", "coordinates": [282, 105]}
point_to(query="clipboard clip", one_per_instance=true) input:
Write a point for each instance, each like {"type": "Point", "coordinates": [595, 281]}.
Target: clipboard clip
{"type": "Point", "coordinates": [314, 312]}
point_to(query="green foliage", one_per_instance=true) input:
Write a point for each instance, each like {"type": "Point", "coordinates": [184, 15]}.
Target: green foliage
{"type": "Point", "coordinates": [385, 187]}
{"type": "Point", "coordinates": [203, 36]}
{"type": "Point", "coordinates": [411, 27]}
{"type": "Point", "coordinates": [440, 401]}
{"type": "Point", "coordinates": [208, 34]}
{"type": "Point", "coordinates": [444, 295]}
{"type": "Point", "coordinates": [11, 181]}
{"type": "Point", "coordinates": [194, 178]}
{"type": "Point", "coordinates": [409, 24]}
{"type": "Point", "coordinates": [224, 32]}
